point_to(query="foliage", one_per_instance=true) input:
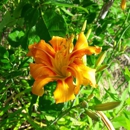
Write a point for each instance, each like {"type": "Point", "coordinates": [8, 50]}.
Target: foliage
{"type": "Point", "coordinates": [25, 22]}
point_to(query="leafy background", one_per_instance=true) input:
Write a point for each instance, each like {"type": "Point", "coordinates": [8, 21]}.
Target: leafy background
{"type": "Point", "coordinates": [24, 22]}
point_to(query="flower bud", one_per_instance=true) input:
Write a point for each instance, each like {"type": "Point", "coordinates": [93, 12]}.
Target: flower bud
{"type": "Point", "coordinates": [119, 45]}
{"type": "Point", "coordinates": [101, 58]}
{"type": "Point", "coordinates": [90, 97]}
{"type": "Point", "coordinates": [84, 104]}
{"type": "Point", "coordinates": [88, 33]}
{"type": "Point", "coordinates": [92, 115]}
{"type": "Point", "coordinates": [123, 4]}
{"type": "Point", "coordinates": [101, 68]}
{"type": "Point", "coordinates": [84, 25]}
{"type": "Point", "coordinates": [114, 44]}
{"type": "Point", "coordinates": [105, 106]}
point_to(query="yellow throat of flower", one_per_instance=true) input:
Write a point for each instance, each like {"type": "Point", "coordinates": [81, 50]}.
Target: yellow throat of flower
{"type": "Point", "coordinates": [62, 59]}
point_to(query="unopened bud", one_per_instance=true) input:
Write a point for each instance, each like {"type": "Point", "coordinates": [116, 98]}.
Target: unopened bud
{"type": "Point", "coordinates": [114, 44]}
{"type": "Point", "coordinates": [105, 106]}
{"type": "Point", "coordinates": [92, 115]}
{"type": "Point", "coordinates": [88, 33]}
{"type": "Point", "coordinates": [124, 48]}
{"type": "Point", "coordinates": [101, 58]}
{"type": "Point", "coordinates": [119, 46]}
{"type": "Point", "coordinates": [123, 4]}
{"type": "Point", "coordinates": [90, 96]}
{"type": "Point", "coordinates": [84, 26]}
{"type": "Point", "coordinates": [84, 104]}
{"type": "Point", "coordinates": [101, 68]}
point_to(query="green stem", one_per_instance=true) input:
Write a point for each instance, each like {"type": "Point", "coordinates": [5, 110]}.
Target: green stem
{"type": "Point", "coordinates": [21, 93]}
{"type": "Point", "coordinates": [66, 111]}
{"type": "Point", "coordinates": [65, 5]}
{"type": "Point", "coordinates": [123, 24]}
{"type": "Point", "coordinates": [63, 114]}
{"type": "Point", "coordinates": [115, 49]}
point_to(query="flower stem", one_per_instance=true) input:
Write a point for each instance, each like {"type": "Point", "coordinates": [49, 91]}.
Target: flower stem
{"type": "Point", "coordinates": [63, 114]}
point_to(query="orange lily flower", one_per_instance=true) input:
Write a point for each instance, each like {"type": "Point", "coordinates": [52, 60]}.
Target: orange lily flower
{"type": "Point", "coordinates": [60, 61]}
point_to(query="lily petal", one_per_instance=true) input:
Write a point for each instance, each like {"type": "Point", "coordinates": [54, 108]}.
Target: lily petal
{"type": "Point", "coordinates": [30, 47]}
{"type": "Point", "coordinates": [64, 90]}
{"type": "Point", "coordinates": [57, 42]}
{"type": "Point", "coordinates": [89, 76]}
{"type": "Point", "coordinates": [86, 74]}
{"type": "Point", "coordinates": [77, 76]}
{"type": "Point", "coordinates": [42, 52]}
{"type": "Point", "coordinates": [39, 70]}
{"type": "Point", "coordinates": [38, 85]}
{"type": "Point", "coordinates": [89, 51]}
{"type": "Point", "coordinates": [81, 42]}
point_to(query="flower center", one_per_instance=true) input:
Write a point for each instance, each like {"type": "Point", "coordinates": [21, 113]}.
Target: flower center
{"type": "Point", "coordinates": [61, 62]}
{"type": "Point", "coordinates": [62, 59]}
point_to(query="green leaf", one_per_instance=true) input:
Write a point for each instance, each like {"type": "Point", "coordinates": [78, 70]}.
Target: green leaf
{"type": "Point", "coordinates": [55, 23]}
{"type": "Point", "coordinates": [12, 58]}
{"type": "Point", "coordinates": [128, 101]}
{"type": "Point", "coordinates": [123, 99]}
{"type": "Point", "coordinates": [127, 72]}
{"type": "Point", "coordinates": [52, 24]}
{"type": "Point", "coordinates": [18, 9]}
{"type": "Point", "coordinates": [30, 15]}
{"type": "Point", "coordinates": [5, 109]}
{"type": "Point", "coordinates": [127, 113]}
{"type": "Point", "coordinates": [42, 31]}
{"type": "Point", "coordinates": [96, 126]}
{"type": "Point", "coordinates": [25, 62]}
{"type": "Point", "coordinates": [33, 101]}
{"type": "Point", "coordinates": [14, 37]}
{"type": "Point", "coordinates": [119, 121]}
{"type": "Point", "coordinates": [5, 61]}
{"type": "Point", "coordinates": [24, 41]}
{"type": "Point", "coordinates": [91, 17]}
{"type": "Point", "coordinates": [6, 54]}
{"type": "Point", "coordinates": [33, 39]}
{"type": "Point", "coordinates": [128, 124]}
{"type": "Point", "coordinates": [7, 21]}
{"type": "Point", "coordinates": [2, 51]}
{"type": "Point", "coordinates": [66, 11]}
